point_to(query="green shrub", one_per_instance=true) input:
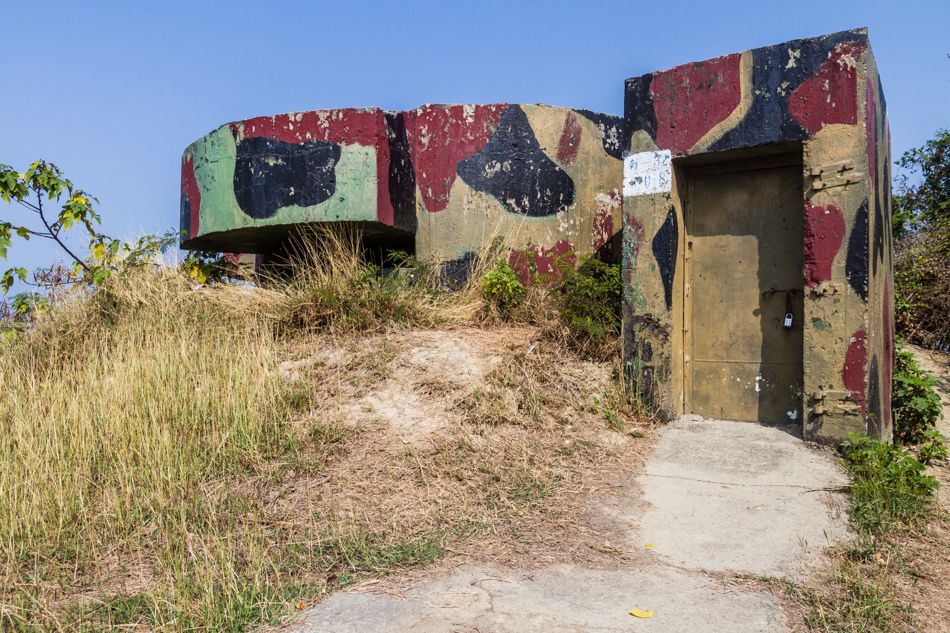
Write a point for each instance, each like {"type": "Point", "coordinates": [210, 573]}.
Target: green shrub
{"type": "Point", "coordinates": [591, 298]}
{"type": "Point", "coordinates": [922, 285]}
{"type": "Point", "coordinates": [933, 449]}
{"type": "Point", "coordinates": [502, 287]}
{"type": "Point", "coordinates": [889, 486]}
{"type": "Point", "coordinates": [915, 404]}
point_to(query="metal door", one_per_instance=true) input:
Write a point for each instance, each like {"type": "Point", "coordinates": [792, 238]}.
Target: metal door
{"type": "Point", "coordinates": [744, 275]}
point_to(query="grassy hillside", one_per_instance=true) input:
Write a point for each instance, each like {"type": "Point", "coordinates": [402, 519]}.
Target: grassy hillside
{"type": "Point", "coordinates": [180, 459]}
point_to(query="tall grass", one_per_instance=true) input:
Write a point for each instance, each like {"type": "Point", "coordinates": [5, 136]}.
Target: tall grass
{"type": "Point", "coordinates": [331, 287]}
{"type": "Point", "coordinates": [142, 428]}
{"type": "Point", "coordinates": [116, 411]}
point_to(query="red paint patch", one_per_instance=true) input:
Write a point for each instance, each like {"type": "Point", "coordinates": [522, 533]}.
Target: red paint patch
{"type": "Point", "coordinates": [190, 188]}
{"type": "Point", "coordinates": [870, 131]}
{"type": "Point", "coordinates": [570, 142]}
{"type": "Point", "coordinates": [824, 232]}
{"type": "Point", "coordinates": [690, 100]}
{"type": "Point", "coordinates": [441, 136]}
{"type": "Point", "coordinates": [549, 264]}
{"type": "Point", "coordinates": [639, 235]}
{"type": "Point", "coordinates": [830, 94]}
{"type": "Point", "coordinates": [855, 368]}
{"type": "Point", "coordinates": [350, 126]}
{"type": "Point", "coordinates": [602, 233]}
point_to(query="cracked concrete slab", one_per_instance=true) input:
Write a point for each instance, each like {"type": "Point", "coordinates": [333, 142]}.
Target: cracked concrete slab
{"type": "Point", "coordinates": [742, 497]}
{"type": "Point", "coordinates": [564, 598]}
{"type": "Point", "coordinates": [716, 498]}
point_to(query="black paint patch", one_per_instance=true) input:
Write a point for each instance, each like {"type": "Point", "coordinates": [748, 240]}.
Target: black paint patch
{"type": "Point", "coordinates": [514, 169]}
{"type": "Point", "coordinates": [882, 180]}
{"type": "Point", "coordinates": [875, 404]}
{"type": "Point", "coordinates": [457, 272]}
{"type": "Point", "coordinates": [768, 119]}
{"type": "Point", "coordinates": [665, 244]}
{"type": "Point", "coordinates": [611, 131]}
{"type": "Point", "coordinates": [638, 112]}
{"type": "Point", "coordinates": [402, 177]}
{"type": "Point", "coordinates": [856, 266]}
{"type": "Point", "coordinates": [184, 222]}
{"type": "Point", "coordinates": [878, 253]}
{"type": "Point", "coordinates": [270, 174]}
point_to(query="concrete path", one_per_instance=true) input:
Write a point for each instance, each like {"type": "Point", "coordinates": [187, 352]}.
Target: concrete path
{"type": "Point", "coordinates": [716, 499]}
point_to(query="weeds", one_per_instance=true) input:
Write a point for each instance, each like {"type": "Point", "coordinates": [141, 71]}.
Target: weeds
{"type": "Point", "coordinates": [332, 288]}
{"type": "Point", "coordinates": [892, 498]}
{"type": "Point", "coordinates": [915, 405]}
{"type": "Point", "coordinates": [889, 488]}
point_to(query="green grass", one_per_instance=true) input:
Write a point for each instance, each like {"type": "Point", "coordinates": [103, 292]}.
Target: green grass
{"type": "Point", "coordinates": [891, 499]}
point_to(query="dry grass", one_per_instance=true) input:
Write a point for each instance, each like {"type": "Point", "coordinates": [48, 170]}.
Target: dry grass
{"type": "Point", "coordinates": [162, 469]}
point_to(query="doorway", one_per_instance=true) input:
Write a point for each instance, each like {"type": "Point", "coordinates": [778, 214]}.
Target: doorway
{"type": "Point", "coordinates": [744, 276]}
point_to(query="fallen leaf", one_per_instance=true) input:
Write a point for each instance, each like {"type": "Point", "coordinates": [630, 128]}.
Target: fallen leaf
{"type": "Point", "coordinates": [301, 605]}
{"type": "Point", "coordinates": [637, 613]}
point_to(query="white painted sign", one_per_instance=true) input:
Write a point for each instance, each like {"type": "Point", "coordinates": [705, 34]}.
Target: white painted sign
{"type": "Point", "coordinates": [647, 172]}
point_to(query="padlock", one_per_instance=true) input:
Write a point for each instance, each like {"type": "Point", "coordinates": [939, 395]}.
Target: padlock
{"type": "Point", "coordinates": [788, 320]}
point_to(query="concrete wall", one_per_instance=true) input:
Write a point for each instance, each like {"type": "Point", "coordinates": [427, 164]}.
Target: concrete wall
{"type": "Point", "coordinates": [535, 174]}
{"type": "Point", "coordinates": [449, 177]}
{"type": "Point", "coordinates": [820, 97]}
{"type": "Point", "coordinates": [247, 184]}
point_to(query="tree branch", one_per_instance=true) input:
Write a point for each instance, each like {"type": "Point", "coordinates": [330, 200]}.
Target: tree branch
{"type": "Point", "coordinates": [55, 236]}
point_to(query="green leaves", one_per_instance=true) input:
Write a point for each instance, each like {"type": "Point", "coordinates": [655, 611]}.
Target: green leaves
{"type": "Point", "coordinates": [915, 403]}
{"type": "Point", "coordinates": [928, 202]}
{"type": "Point", "coordinates": [6, 282]}
{"type": "Point", "coordinates": [591, 297]}
{"type": "Point", "coordinates": [502, 287]}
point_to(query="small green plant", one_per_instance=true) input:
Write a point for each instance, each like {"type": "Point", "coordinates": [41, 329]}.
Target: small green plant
{"type": "Point", "coordinates": [934, 448]}
{"type": "Point", "coordinates": [915, 403]}
{"type": "Point", "coordinates": [889, 487]}
{"type": "Point", "coordinates": [502, 287]}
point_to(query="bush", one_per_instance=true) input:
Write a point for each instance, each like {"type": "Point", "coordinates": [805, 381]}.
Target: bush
{"type": "Point", "coordinates": [591, 298]}
{"type": "Point", "coordinates": [922, 284]}
{"type": "Point", "coordinates": [889, 486]}
{"type": "Point", "coordinates": [915, 404]}
{"type": "Point", "coordinates": [502, 287]}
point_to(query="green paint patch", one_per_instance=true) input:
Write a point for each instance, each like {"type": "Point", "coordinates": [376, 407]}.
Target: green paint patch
{"type": "Point", "coordinates": [653, 267]}
{"type": "Point", "coordinates": [215, 158]}
{"type": "Point", "coordinates": [819, 323]}
{"type": "Point", "coordinates": [639, 299]}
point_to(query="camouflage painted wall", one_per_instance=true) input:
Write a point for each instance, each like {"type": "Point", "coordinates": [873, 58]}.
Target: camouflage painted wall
{"type": "Point", "coordinates": [452, 176]}
{"type": "Point", "coordinates": [538, 175]}
{"type": "Point", "coordinates": [820, 97]}
{"type": "Point", "coordinates": [245, 185]}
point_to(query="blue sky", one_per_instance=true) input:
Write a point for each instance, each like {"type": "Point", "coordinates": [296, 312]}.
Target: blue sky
{"type": "Point", "coordinates": [114, 92]}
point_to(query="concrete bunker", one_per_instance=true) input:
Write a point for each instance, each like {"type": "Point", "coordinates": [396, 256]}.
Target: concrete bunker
{"type": "Point", "coordinates": [757, 186]}
{"type": "Point", "coordinates": [749, 187]}
{"type": "Point", "coordinates": [439, 181]}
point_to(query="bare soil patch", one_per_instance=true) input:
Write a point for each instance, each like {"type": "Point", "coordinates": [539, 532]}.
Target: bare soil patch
{"type": "Point", "coordinates": [487, 437]}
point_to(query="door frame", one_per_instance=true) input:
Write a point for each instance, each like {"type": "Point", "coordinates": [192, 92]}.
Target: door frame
{"type": "Point", "coordinates": [793, 157]}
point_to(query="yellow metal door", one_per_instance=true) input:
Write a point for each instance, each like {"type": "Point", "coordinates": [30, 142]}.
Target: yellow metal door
{"type": "Point", "coordinates": [745, 250]}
